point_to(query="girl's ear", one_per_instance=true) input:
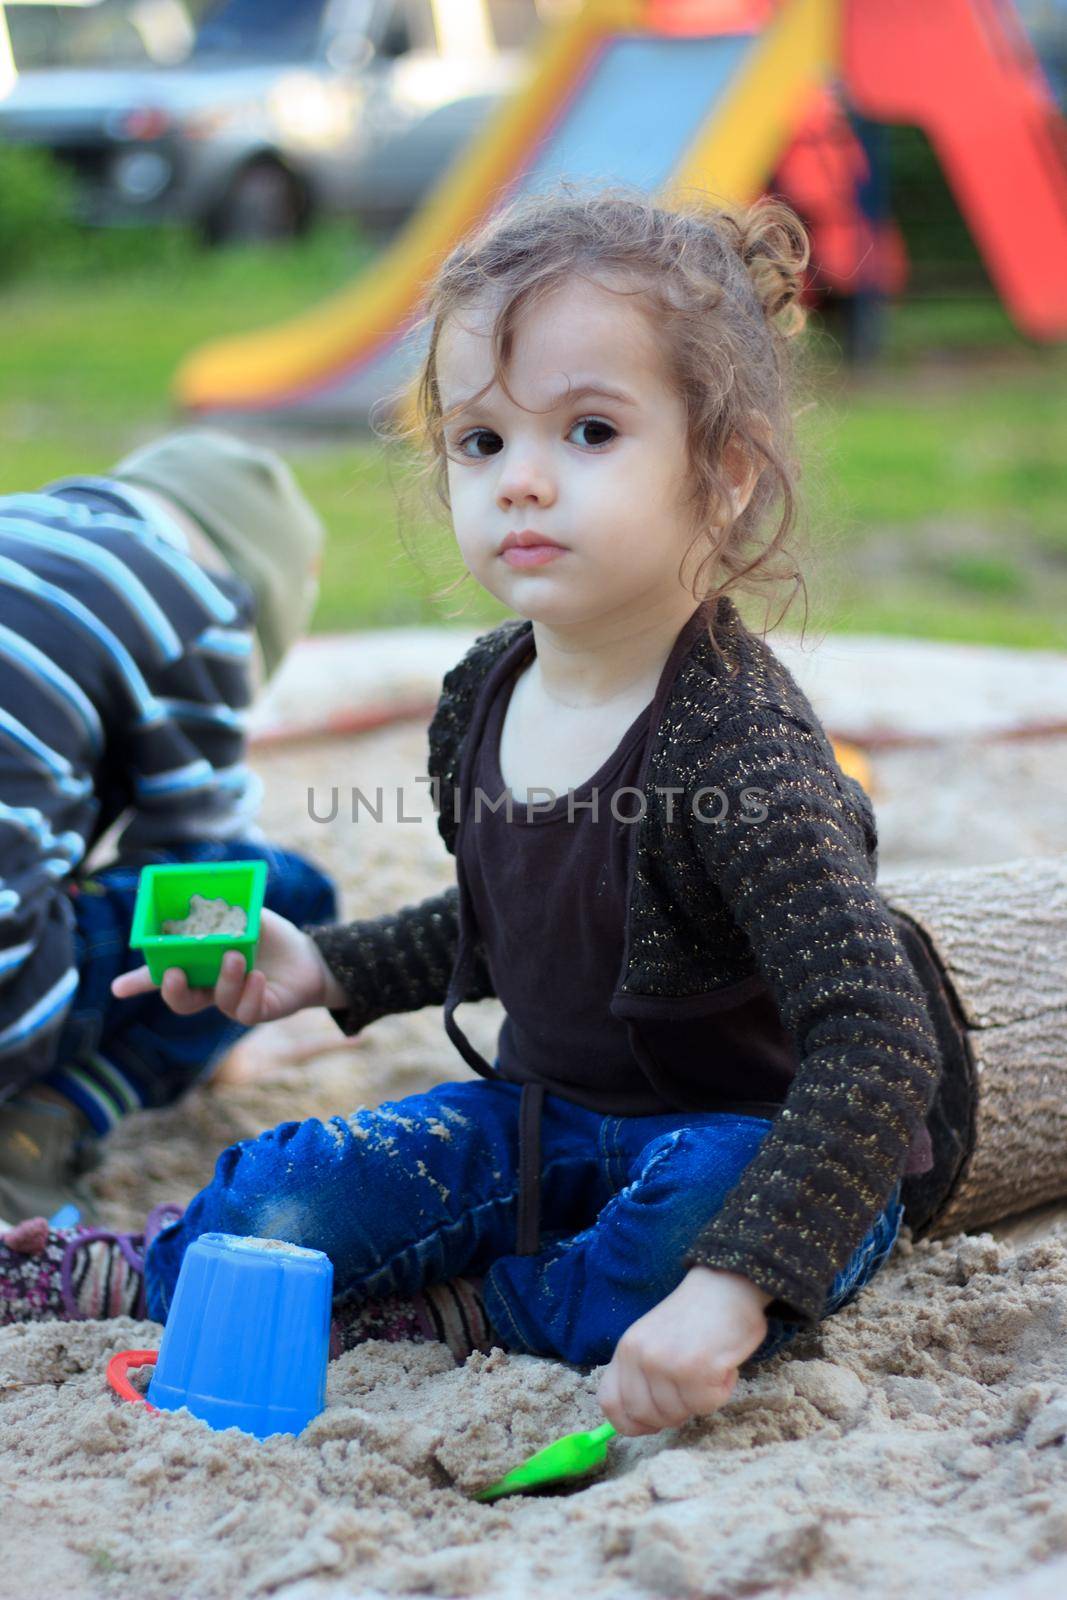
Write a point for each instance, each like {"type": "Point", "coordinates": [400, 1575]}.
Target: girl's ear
{"type": "Point", "coordinates": [742, 467]}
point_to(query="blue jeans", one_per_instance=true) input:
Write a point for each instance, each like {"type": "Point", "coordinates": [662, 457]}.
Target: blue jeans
{"type": "Point", "coordinates": [116, 1056]}
{"type": "Point", "coordinates": [425, 1188]}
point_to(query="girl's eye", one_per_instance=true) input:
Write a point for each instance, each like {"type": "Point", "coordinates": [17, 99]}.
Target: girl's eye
{"type": "Point", "coordinates": [592, 432]}
{"type": "Point", "coordinates": [479, 443]}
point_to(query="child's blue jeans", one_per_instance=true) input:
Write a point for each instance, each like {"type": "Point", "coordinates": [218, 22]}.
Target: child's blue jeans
{"type": "Point", "coordinates": [425, 1188]}
{"type": "Point", "coordinates": [116, 1056]}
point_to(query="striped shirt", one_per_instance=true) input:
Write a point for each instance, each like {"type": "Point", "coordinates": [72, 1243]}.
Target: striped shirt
{"type": "Point", "coordinates": [124, 680]}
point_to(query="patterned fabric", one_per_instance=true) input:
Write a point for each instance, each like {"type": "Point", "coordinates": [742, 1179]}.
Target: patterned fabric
{"type": "Point", "coordinates": [864, 1263]}
{"type": "Point", "coordinates": [124, 676]}
{"type": "Point", "coordinates": [451, 1313]}
{"type": "Point", "coordinates": [74, 1274]}
{"type": "Point", "coordinates": [788, 900]}
{"type": "Point", "coordinates": [83, 1274]}
{"type": "Point", "coordinates": [31, 1284]}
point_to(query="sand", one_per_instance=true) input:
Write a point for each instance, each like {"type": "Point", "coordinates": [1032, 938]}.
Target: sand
{"type": "Point", "coordinates": [915, 1446]}
{"type": "Point", "coordinates": [207, 917]}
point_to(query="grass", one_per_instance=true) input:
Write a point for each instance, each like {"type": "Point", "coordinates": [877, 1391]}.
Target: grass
{"type": "Point", "coordinates": [934, 486]}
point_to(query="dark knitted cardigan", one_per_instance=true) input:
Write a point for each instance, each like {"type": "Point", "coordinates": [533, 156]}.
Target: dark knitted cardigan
{"type": "Point", "coordinates": [716, 911]}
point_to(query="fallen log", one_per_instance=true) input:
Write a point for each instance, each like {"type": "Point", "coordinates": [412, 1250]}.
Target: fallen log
{"type": "Point", "coordinates": [990, 946]}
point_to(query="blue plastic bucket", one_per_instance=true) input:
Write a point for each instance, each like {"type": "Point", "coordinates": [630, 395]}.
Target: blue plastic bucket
{"type": "Point", "coordinates": [248, 1335]}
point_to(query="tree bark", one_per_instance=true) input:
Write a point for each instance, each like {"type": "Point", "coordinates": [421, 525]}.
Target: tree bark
{"type": "Point", "coordinates": [998, 937]}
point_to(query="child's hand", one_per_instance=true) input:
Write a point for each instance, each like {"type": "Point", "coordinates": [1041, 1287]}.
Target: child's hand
{"type": "Point", "coordinates": [680, 1359]}
{"type": "Point", "coordinates": [289, 975]}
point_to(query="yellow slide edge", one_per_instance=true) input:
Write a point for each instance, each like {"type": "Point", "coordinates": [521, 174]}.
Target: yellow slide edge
{"type": "Point", "coordinates": [259, 368]}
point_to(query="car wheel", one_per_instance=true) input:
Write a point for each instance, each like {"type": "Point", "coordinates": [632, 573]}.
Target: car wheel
{"type": "Point", "coordinates": [264, 201]}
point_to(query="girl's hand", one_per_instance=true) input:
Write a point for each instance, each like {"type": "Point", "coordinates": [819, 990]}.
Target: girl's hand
{"type": "Point", "coordinates": [289, 975]}
{"type": "Point", "coordinates": [680, 1359]}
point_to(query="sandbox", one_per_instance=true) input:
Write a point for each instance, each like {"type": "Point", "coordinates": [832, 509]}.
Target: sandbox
{"type": "Point", "coordinates": [916, 1446]}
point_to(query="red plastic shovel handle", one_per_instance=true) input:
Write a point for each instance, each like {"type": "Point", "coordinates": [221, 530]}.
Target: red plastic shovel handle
{"type": "Point", "coordinates": [117, 1369]}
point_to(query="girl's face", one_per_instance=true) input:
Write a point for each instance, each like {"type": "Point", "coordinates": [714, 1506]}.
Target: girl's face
{"type": "Point", "coordinates": [590, 453]}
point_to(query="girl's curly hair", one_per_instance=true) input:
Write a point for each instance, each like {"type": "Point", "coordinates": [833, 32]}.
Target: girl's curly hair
{"type": "Point", "coordinates": [723, 285]}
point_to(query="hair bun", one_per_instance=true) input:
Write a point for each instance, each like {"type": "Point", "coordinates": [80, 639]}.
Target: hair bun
{"type": "Point", "coordinates": [774, 249]}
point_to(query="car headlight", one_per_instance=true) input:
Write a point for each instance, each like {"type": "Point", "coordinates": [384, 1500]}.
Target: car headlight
{"type": "Point", "coordinates": [311, 112]}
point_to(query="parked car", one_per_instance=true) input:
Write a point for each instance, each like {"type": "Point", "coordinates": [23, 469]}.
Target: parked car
{"type": "Point", "coordinates": [281, 111]}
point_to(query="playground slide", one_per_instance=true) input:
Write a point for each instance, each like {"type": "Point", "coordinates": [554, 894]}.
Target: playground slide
{"type": "Point", "coordinates": [609, 101]}
{"type": "Point", "coordinates": [964, 71]}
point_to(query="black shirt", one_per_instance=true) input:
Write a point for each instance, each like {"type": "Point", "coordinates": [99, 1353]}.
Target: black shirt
{"type": "Point", "coordinates": [548, 886]}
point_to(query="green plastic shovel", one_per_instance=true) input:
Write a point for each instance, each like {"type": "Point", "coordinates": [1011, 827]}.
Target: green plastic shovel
{"type": "Point", "coordinates": [570, 1457]}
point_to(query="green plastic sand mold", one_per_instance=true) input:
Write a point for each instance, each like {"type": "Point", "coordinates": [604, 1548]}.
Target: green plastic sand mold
{"type": "Point", "coordinates": [570, 1457]}
{"type": "Point", "coordinates": [165, 892]}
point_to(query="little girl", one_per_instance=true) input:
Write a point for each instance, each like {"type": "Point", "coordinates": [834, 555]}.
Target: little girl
{"type": "Point", "coordinates": [717, 1057]}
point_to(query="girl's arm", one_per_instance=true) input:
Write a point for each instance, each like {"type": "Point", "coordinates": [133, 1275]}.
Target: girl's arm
{"type": "Point", "coordinates": [800, 886]}
{"type": "Point", "coordinates": [401, 961]}
{"type": "Point", "coordinates": [359, 970]}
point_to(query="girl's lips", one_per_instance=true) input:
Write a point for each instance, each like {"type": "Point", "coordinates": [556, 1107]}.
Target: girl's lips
{"type": "Point", "coordinates": [531, 555]}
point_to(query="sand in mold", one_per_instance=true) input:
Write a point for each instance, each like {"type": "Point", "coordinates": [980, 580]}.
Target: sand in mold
{"type": "Point", "coordinates": [206, 917]}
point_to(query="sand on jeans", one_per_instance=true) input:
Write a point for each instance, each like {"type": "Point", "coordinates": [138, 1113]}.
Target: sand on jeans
{"type": "Point", "coordinates": [914, 1446]}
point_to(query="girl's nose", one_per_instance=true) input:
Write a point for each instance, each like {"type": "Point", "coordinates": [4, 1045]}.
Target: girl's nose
{"type": "Point", "coordinates": [524, 481]}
